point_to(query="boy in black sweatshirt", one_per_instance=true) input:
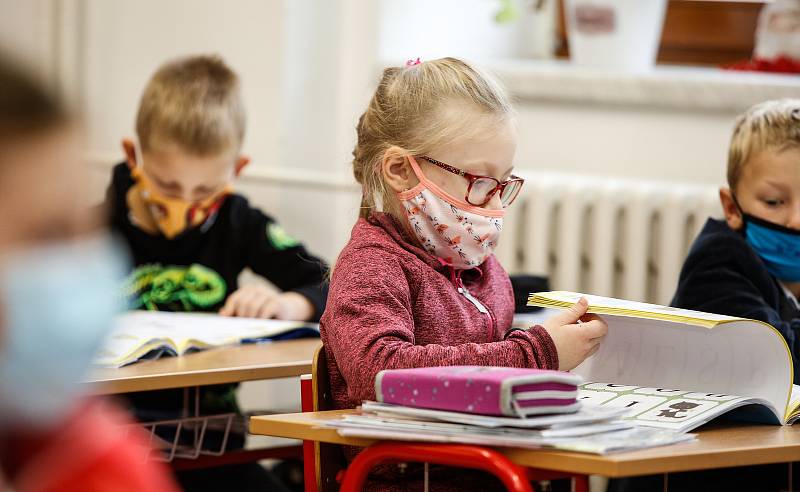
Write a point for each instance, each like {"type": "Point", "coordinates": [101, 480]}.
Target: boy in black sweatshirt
{"type": "Point", "coordinates": [191, 235]}
{"type": "Point", "coordinates": [748, 265]}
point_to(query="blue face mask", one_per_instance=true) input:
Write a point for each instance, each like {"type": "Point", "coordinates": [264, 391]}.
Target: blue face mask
{"type": "Point", "coordinates": [776, 245]}
{"type": "Point", "coordinates": [56, 306]}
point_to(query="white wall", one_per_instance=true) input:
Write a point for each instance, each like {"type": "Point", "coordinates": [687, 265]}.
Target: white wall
{"type": "Point", "coordinates": [124, 42]}
{"type": "Point", "coordinates": [637, 142]}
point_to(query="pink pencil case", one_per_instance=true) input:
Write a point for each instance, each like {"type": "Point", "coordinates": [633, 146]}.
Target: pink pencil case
{"type": "Point", "coordinates": [481, 390]}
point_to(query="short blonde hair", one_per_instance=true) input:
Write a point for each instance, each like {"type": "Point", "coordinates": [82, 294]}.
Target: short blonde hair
{"type": "Point", "coordinates": [771, 125]}
{"type": "Point", "coordinates": [194, 102]}
{"type": "Point", "coordinates": [408, 110]}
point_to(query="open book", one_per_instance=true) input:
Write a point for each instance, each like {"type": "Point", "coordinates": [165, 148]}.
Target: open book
{"type": "Point", "coordinates": [678, 369]}
{"type": "Point", "coordinates": [151, 334]}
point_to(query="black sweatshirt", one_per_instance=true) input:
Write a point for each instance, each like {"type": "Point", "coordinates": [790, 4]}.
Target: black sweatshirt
{"type": "Point", "coordinates": [198, 270]}
{"type": "Point", "coordinates": [722, 274]}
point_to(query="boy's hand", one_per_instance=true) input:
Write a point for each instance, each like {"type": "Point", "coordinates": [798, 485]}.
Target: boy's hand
{"type": "Point", "coordinates": [577, 335]}
{"type": "Point", "coordinates": [256, 301]}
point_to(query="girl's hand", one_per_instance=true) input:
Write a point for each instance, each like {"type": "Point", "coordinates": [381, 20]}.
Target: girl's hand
{"type": "Point", "coordinates": [576, 335]}
{"type": "Point", "coordinates": [256, 301]}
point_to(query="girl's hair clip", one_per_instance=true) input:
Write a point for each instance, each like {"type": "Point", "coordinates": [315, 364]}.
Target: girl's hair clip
{"type": "Point", "coordinates": [411, 63]}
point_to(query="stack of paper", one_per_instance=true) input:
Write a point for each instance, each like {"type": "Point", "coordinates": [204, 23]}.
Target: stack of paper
{"type": "Point", "coordinates": [592, 429]}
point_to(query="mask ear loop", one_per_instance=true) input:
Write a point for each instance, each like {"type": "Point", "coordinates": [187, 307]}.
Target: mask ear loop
{"type": "Point", "coordinates": [137, 173]}
{"type": "Point", "coordinates": [138, 153]}
{"type": "Point", "coordinates": [741, 211]}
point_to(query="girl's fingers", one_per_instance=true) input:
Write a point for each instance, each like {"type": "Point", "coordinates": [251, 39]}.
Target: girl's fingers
{"type": "Point", "coordinates": [571, 315]}
{"type": "Point", "coordinates": [594, 329]}
{"type": "Point", "coordinates": [589, 317]}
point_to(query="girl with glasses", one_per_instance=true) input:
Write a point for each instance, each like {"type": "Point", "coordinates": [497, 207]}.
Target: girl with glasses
{"type": "Point", "coordinates": [418, 284]}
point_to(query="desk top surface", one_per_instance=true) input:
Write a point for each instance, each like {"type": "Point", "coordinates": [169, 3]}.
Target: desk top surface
{"type": "Point", "coordinates": [717, 446]}
{"type": "Point", "coordinates": [215, 366]}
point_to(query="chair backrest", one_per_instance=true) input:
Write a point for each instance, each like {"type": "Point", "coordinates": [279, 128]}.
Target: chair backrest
{"type": "Point", "coordinates": [320, 381]}
{"type": "Point", "coordinates": [328, 458]}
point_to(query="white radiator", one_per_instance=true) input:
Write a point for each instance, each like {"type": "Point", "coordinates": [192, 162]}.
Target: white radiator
{"type": "Point", "coordinates": [612, 237]}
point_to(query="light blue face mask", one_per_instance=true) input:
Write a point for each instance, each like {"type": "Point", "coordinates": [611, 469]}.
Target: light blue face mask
{"type": "Point", "coordinates": [57, 303]}
{"type": "Point", "coordinates": [776, 245]}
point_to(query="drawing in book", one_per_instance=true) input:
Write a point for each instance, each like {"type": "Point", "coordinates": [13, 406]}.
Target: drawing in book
{"type": "Point", "coordinates": [675, 409]}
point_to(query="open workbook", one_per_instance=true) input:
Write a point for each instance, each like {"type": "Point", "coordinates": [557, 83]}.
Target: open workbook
{"type": "Point", "coordinates": [678, 369]}
{"type": "Point", "coordinates": [140, 335]}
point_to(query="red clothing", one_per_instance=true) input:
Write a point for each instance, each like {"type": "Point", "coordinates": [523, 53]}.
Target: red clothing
{"type": "Point", "coordinates": [93, 451]}
{"type": "Point", "coordinates": [393, 305]}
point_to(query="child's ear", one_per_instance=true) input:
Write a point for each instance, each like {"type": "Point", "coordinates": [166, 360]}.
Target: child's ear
{"type": "Point", "coordinates": [733, 215]}
{"type": "Point", "coordinates": [396, 170]}
{"type": "Point", "coordinates": [129, 147]}
{"type": "Point", "coordinates": [241, 163]}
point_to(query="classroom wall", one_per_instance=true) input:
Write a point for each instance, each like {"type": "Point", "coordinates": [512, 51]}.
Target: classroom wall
{"type": "Point", "coordinates": [308, 68]}
{"type": "Point", "coordinates": [660, 144]}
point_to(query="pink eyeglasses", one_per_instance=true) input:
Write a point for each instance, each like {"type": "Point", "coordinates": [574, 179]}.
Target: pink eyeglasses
{"type": "Point", "coordinates": [481, 189]}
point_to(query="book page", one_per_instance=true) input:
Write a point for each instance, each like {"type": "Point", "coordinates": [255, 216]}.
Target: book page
{"type": "Point", "coordinates": [120, 348]}
{"type": "Point", "coordinates": [621, 307]}
{"type": "Point", "coordinates": [180, 331]}
{"type": "Point", "coordinates": [666, 408]}
{"type": "Point", "coordinates": [793, 410]}
{"type": "Point", "coordinates": [736, 358]}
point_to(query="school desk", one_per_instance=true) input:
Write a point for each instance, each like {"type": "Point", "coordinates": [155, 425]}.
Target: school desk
{"type": "Point", "coordinates": [281, 359]}
{"type": "Point", "coordinates": [272, 360]}
{"type": "Point", "coordinates": [718, 446]}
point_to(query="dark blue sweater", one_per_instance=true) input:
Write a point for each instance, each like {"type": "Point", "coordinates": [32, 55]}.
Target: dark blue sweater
{"type": "Point", "coordinates": [722, 274]}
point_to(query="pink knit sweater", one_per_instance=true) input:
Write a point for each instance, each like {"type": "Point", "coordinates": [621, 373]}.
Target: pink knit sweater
{"type": "Point", "coordinates": [393, 305]}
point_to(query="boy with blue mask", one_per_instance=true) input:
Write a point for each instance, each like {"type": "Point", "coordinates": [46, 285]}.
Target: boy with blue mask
{"type": "Point", "coordinates": [748, 265]}
{"type": "Point", "coordinates": [59, 274]}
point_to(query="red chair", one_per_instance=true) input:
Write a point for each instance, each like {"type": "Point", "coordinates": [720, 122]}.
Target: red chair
{"type": "Point", "coordinates": [513, 476]}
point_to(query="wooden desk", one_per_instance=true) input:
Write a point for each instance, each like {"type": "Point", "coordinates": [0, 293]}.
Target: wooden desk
{"type": "Point", "coordinates": [223, 365]}
{"type": "Point", "coordinates": [718, 446]}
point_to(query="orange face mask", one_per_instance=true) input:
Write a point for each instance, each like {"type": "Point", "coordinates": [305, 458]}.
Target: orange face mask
{"type": "Point", "coordinates": [153, 212]}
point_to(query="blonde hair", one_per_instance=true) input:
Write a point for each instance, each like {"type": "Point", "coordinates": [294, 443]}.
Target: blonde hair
{"type": "Point", "coordinates": [771, 125]}
{"type": "Point", "coordinates": [194, 102]}
{"type": "Point", "coordinates": [408, 110]}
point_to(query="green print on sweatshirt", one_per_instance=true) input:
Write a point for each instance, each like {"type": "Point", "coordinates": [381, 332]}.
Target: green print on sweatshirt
{"type": "Point", "coordinates": [175, 288]}
{"type": "Point", "coordinates": [279, 238]}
